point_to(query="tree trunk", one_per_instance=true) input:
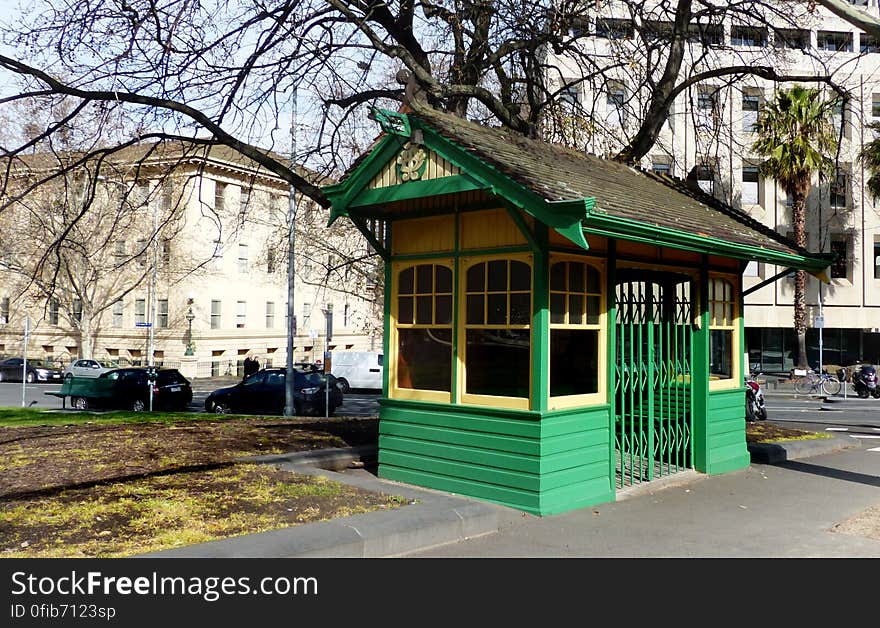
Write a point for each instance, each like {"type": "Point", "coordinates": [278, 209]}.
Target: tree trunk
{"type": "Point", "coordinates": [86, 339]}
{"type": "Point", "coordinates": [798, 224]}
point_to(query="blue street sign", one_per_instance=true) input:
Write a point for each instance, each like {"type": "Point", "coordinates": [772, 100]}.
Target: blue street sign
{"type": "Point", "coordinates": [143, 324]}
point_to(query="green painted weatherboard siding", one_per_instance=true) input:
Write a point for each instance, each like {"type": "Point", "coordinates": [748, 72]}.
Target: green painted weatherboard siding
{"type": "Point", "coordinates": [541, 463]}
{"type": "Point", "coordinates": [725, 432]}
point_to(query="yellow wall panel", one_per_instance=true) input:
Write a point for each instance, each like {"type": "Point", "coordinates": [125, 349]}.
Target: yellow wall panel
{"type": "Point", "coordinates": [423, 235]}
{"type": "Point", "coordinates": [489, 229]}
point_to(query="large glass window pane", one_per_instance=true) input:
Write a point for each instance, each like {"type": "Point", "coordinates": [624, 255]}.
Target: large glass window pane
{"type": "Point", "coordinates": [721, 353]}
{"type": "Point", "coordinates": [574, 362]}
{"type": "Point", "coordinates": [425, 359]}
{"type": "Point", "coordinates": [498, 362]}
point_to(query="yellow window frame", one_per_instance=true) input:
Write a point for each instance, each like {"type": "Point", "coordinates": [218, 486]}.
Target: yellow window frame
{"type": "Point", "coordinates": [729, 323]}
{"type": "Point", "coordinates": [516, 403]}
{"type": "Point", "coordinates": [416, 394]}
{"type": "Point", "coordinates": [601, 396]}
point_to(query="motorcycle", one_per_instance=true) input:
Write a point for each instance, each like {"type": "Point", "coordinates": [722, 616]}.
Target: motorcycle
{"type": "Point", "coordinates": [864, 381]}
{"type": "Point", "coordinates": [755, 408]}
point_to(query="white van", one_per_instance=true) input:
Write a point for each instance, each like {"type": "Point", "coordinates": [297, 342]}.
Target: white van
{"type": "Point", "coordinates": [357, 369]}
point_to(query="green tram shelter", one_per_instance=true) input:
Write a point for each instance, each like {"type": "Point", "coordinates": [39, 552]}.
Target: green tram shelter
{"type": "Point", "coordinates": [557, 326]}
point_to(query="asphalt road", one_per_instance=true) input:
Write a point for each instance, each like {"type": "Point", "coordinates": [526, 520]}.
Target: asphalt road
{"type": "Point", "coordinates": [354, 403]}
{"type": "Point", "coordinates": [853, 416]}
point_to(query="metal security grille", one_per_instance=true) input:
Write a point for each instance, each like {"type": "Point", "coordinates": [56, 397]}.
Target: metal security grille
{"type": "Point", "coordinates": [653, 377]}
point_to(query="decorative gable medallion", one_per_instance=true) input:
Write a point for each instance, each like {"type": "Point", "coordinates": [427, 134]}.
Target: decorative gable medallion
{"type": "Point", "coordinates": [411, 163]}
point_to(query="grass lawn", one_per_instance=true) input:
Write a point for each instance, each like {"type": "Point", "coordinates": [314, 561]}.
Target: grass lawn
{"type": "Point", "coordinates": [116, 484]}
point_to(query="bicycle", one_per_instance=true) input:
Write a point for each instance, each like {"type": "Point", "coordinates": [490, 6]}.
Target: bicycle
{"type": "Point", "coordinates": [814, 382]}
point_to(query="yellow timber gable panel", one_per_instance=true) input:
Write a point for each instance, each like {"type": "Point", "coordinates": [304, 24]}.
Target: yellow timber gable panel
{"type": "Point", "coordinates": [413, 163]}
{"type": "Point", "coordinates": [490, 228]}
{"type": "Point", "coordinates": [424, 235]}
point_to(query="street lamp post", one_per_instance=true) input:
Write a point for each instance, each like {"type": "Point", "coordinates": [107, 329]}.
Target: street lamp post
{"type": "Point", "coordinates": [190, 317]}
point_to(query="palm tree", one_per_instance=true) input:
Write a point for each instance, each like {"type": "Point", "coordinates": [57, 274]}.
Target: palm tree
{"type": "Point", "coordinates": [870, 157]}
{"type": "Point", "coordinates": [796, 136]}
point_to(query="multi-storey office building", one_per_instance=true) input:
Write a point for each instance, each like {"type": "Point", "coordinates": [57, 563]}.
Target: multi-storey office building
{"type": "Point", "coordinates": [183, 254]}
{"type": "Point", "coordinates": [708, 135]}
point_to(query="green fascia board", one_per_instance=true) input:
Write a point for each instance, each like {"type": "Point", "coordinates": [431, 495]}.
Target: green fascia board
{"type": "Point", "coordinates": [626, 229]}
{"type": "Point", "coordinates": [415, 189]}
{"type": "Point", "coordinates": [341, 194]}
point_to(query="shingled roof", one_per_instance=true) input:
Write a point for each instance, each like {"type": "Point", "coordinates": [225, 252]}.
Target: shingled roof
{"type": "Point", "coordinates": [557, 173]}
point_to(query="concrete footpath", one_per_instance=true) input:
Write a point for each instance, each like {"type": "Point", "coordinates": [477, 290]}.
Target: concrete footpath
{"type": "Point", "coordinates": [817, 498]}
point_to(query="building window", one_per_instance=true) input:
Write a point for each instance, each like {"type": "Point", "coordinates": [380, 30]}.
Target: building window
{"type": "Point", "coordinates": [834, 41]}
{"type": "Point", "coordinates": [119, 255]}
{"type": "Point", "coordinates": [423, 323]}
{"type": "Point", "coordinates": [307, 314]}
{"type": "Point", "coordinates": [614, 28]}
{"type": "Point", "coordinates": [575, 308]}
{"type": "Point", "coordinates": [141, 252]}
{"type": "Point", "coordinates": [240, 314]}
{"type": "Point", "coordinates": [242, 258]}
{"type": "Point", "coordinates": [707, 108]}
{"type": "Point", "coordinates": [140, 311]}
{"type": "Point", "coordinates": [270, 315]}
{"type": "Point", "coordinates": [219, 196]}
{"type": "Point", "coordinates": [215, 314]}
{"type": "Point", "coordinates": [162, 314]}
{"type": "Point", "coordinates": [661, 166]}
{"type": "Point", "coordinates": [752, 36]}
{"type": "Point", "coordinates": [346, 313]}
{"type": "Point", "coordinates": [795, 39]}
{"type": "Point", "coordinates": [615, 116]}
{"type": "Point", "coordinates": [840, 118]}
{"type": "Point", "coordinates": [875, 107]}
{"type": "Point", "coordinates": [706, 34]}
{"type": "Point", "coordinates": [837, 190]}
{"type": "Point", "coordinates": [569, 96]}
{"type": "Point", "coordinates": [117, 313]}
{"type": "Point", "coordinates": [840, 265]}
{"type": "Point", "coordinates": [722, 320]}
{"type": "Point", "coordinates": [53, 311]}
{"type": "Point", "coordinates": [244, 199]}
{"type": "Point", "coordinates": [751, 186]}
{"type": "Point", "coordinates": [4, 311]}
{"type": "Point", "coordinates": [751, 104]}
{"type": "Point", "coordinates": [166, 252]}
{"type": "Point", "coordinates": [876, 257]}
{"type": "Point", "coordinates": [498, 312]}
{"type": "Point", "coordinates": [868, 43]}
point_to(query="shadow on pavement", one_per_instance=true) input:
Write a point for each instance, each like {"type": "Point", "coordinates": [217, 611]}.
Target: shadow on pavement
{"type": "Point", "coordinates": [838, 474]}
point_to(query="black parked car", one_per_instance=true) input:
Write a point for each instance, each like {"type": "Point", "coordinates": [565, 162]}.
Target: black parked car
{"type": "Point", "coordinates": [171, 390]}
{"type": "Point", "coordinates": [263, 393]}
{"type": "Point", "coordinates": [37, 371]}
